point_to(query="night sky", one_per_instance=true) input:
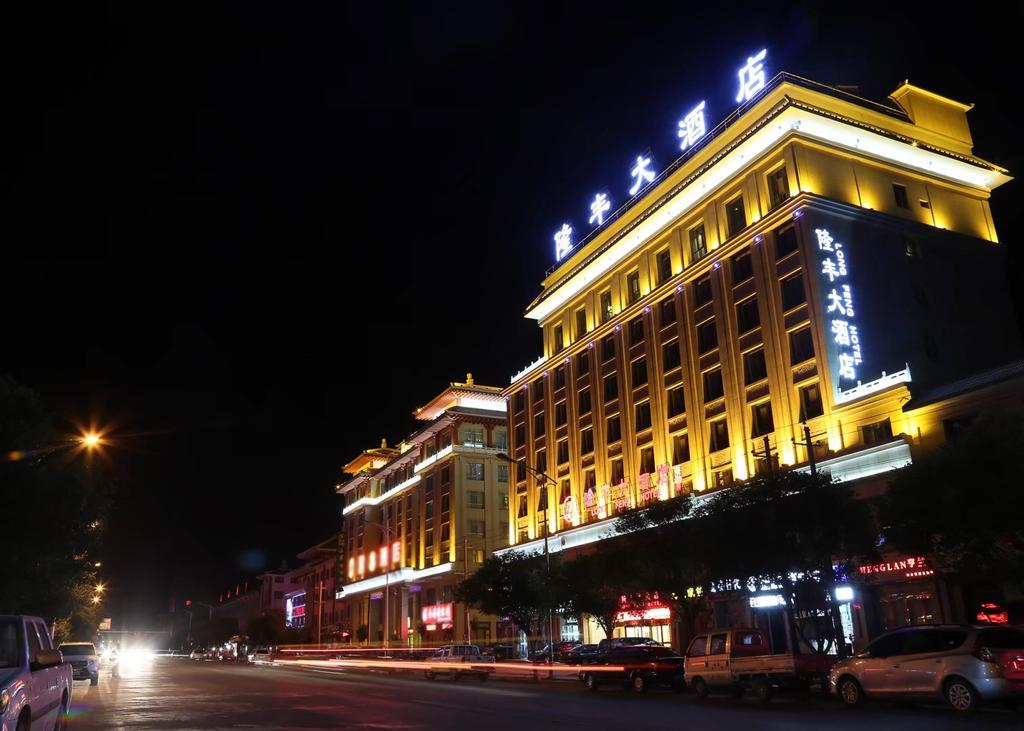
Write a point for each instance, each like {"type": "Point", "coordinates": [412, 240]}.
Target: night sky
{"type": "Point", "coordinates": [251, 240]}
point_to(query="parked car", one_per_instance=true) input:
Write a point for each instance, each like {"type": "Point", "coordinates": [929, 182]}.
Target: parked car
{"type": "Point", "coordinates": [610, 642]}
{"type": "Point", "coordinates": [85, 663]}
{"type": "Point", "coordinates": [962, 664]}
{"type": "Point", "coordinates": [35, 682]}
{"type": "Point", "coordinates": [639, 667]}
{"type": "Point", "coordinates": [459, 656]}
{"type": "Point", "coordinates": [561, 648]}
{"type": "Point", "coordinates": [738, 660]}
{"type": "Point", "coordinates": [199, 653]}
{"type": "Point", "coordinates": [262, 655]}
{"type": "Point", "coordinates": [501, 652]}
{"type": "Point", "coordinates": [580, 655]}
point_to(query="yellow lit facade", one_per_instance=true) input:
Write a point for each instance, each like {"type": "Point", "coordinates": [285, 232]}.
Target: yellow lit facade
{"type": "Point", "coordinates": [692, 342]}
{"type": "Point", "coordinates": [420, 517]}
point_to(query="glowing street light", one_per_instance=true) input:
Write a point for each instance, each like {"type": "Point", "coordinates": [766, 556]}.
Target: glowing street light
{"type": "Point", "coordinates": [91, 440]}
{"type": "Point", "coordinates": [100, 588]}
{"type": "Point", "coordinates": [96, 599]}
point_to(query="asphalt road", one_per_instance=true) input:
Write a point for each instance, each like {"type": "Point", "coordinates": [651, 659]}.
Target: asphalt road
{"type": "Point", "coordinates": [176, 693]}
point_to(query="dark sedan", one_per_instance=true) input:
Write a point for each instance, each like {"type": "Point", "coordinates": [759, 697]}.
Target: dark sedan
{"type": "Point", "coordinates": [580, 655]}
{"type": "Point", "coordinates": [640, 667]}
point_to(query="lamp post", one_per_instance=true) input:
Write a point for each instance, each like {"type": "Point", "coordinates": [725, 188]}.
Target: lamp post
{"type": "Point", "coordinates": [545, 481]}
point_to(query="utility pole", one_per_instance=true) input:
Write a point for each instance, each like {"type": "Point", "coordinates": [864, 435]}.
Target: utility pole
{"type": "Point", "coordinates": [465, 575]}
{"type": "Point", "coordinates": [766, 454]}
{"type": "Point", "coordinates": [320, 613]}
{"type": "Point", "coordinates": [810, 449]}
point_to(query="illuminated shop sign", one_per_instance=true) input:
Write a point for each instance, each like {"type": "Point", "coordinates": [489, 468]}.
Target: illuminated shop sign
{"type": "Point", "coordinates": [992, 613]}
{"type": "Point", "coordinates": [691, 129]}
{"type": "Point", "coordinates": [384, 558]}
{"type": "Point", "coordinates": [294, 609]}
{"type": "Point", "coordinates": [652, 609]}
{"type": "Point", "coordinates": [438, 613]}
{"type": "Point", "coordinates": [840, 311]}
{"type": "Point", "coordinates": [570, 511]}
{"type": "Point", "coordinates": [911, 566]}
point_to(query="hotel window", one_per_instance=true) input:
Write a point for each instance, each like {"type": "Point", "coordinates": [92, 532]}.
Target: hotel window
{"type": "Point", "coordinates": [761, 421]}
{"type": "Point", "coordinates": [636, 331]}
{"type": "Point", "coordinates": [445, 532]}
{"type": "Point", "coordinates": [880, 431]}
{"type": "Point", "coordinates": [676, 402]}
{"type": "Point", "coordinates": [899, 193]}
{"type": "Point", "coordinates": [563, 451]}
{"type": "Point", "coordinates": [639, 372]}
{"type": "Point", "coordinates": [670, 355]}
{"type": "Point", "coordinates": [474, 470]}
{"type": "Point", "coordinates": [503, 499]}
{"type": "Point", "coordinates": [793, 291]}
{"type": "Point", "coordinates": [664, 260]}
{"type": "Point", "coordinates": [698, 243]}
{"type": "Point", "coordinates": [647, 460]}
{"type": "Point", "coordinates": [538, 389]}
{"type": "Point", "coordinates": [586, 441]}
{"type": "Point", "coordinates": [754, 368]}
{"type": "Point", "coordinates": [735, 216]}
{"type": "Point", "coordinates": [606, 306]}
{"type": "Point", "coordinates": [503, 473]}
{"type": "Point", "coordinates": [583, 363]}
{"type": "Point", "coordinates": [747, 315]}
{"type": "Point", "coordinates": [581, 322]}
{"type": "Point", "coordinates": [778, 186]}
{"type": "Point", "coordinates": [742, 267]}
{"type": "Point", "coordinates": [520, 434]}
{"type": "Point", "coordinates": [538, 425]}
{"type": "Point", "coordinates": [566, 491]}
{"type": "Point", "coordinates": [810, 402]}
{"type": "Point", "coordinates": [558, 341]}
{"type": "Point", "coordinates": [633, 286]}
{"type": "Point", "coordinates": [500, 438]}
{"type": "Point", "coordinates": [584, 401]}
{"type": "Point", "coordinates": [475, 498]}
{"type": "Point", "coordinates": [680, 448]}
{"type": "Point", "coordinates": [608, 348]}
{"type": "Point", "coordinates": [560, 377]}
{"type": "Point", "coordinates": [520, 470]}
{"type": "Point", "coordinates": [474, 438]}
{"type": "Point", "coordinates": [785, 240]}
{"type": "Point", "coordinates": [589, 480]}
{"type": "Point", "coordinates": [702, 291]}
{"type": "Point", "coordinates": [643, 416]}
{"type": "Point", "coordinates": [713, 385]}
{"type": "Point", "coordinates": [614, 429]}
{"type": "Point", "coordinates": [478, 554]}
{"type": "Point", "coordinates": [617, 474]}
{"type": "Point", "coordinates": [611, 387]}
{"type": "Point", "coordinates": [801, 345]}
{"type": "Point", "coordinates": [523, 510]}
{"type": "Point", "coordinates": [520, 402]}
{"type": "Point", "coordinates": [560, 414]}
{"type": "Point", "coordinates": [541, 460]}
{"type": "Point", "coordinates": [719, 435]}
{"type": "Point", "coordinates": [721, 478]}
{"type": "Point", "coordinates": [667, 314]}
{"type": "Point", "coordinates": [707, 337]}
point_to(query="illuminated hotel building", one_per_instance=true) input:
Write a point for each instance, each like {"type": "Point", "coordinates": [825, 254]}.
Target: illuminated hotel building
{"type": "Point", "coordinates": [818, 259]}
{"type": "Point", "coordinates": [420, 517]}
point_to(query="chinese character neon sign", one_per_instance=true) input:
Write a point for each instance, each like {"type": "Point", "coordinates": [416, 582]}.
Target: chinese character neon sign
{"type": "Point", "coordinates": [840, 311]}
{"type": "Point", "coordinates": [691, 127]}
{"type": "Point", "coordinates": [563, 241]}
{"type": "Point", "coordinates": [751, 76]}
{"type": "Point", "coordinates": [642, 174]}
{"type": "Point", "coordinates": [599, 207]}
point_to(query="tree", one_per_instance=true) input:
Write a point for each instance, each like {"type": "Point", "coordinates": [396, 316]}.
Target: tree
{"type": "Point", "coordinates": [962, 505]}
{"type": "Point", "coordinates": [57, 505]}
{"type": "Point", "coordinates": [789, 528]}
{"type": "Point", "coordinates": [515, 585]}
{"type": "Point", "coordinates": [595, 584]}
{"type": "Point", "coordinates": [666, 557]}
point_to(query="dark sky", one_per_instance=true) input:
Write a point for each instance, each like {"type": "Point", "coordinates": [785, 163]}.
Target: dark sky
{"type": "Point", "coordinates": [251, 239]}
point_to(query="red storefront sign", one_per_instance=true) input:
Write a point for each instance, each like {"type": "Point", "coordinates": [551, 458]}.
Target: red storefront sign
{"type": "Point", "coordinates": [651, 609]}
{"type": "Point", "coordinates": [438, 613]}
{"type": "Point", "coordinates": [912, 567]}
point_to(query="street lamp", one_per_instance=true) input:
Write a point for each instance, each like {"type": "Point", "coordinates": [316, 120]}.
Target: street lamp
{"type": "Point", "coordinates": [545, 481]}
{"type": "Point", "coordinates": [91, 440]}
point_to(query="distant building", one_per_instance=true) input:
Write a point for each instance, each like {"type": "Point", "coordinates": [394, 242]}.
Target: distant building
{"type": "Point", "coordinates": [420, 517]}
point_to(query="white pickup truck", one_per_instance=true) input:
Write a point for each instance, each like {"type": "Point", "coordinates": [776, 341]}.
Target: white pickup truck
{"type": "Point", "coordinates": [459, 660]}
{"type": "Point", "coordinates": [740, 659]}
{"type": "Point", "coordinates": [35, 682]}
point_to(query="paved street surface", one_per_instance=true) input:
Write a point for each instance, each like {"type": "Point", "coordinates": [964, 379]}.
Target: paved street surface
{"type": "Point", "coordinates": [176, 693]}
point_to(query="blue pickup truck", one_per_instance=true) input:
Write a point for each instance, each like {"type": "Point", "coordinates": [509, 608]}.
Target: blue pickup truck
{"type": "Point", "coordinates": [35, 682]}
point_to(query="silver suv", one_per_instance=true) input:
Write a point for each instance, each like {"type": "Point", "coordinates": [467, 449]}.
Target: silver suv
{"type": "Point", "coordinates": [962, 664]}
